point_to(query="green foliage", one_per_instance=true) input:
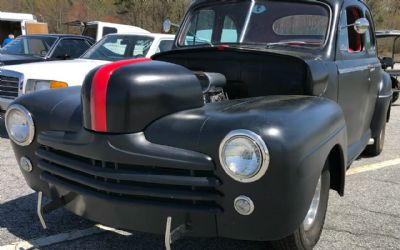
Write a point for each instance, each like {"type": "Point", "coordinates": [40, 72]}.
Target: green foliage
{"type": "Point", "coordinates": [148, 14]}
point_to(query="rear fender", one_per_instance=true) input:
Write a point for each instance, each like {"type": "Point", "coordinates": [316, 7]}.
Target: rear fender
{"type": "Point", "coordinates": [382, 107]}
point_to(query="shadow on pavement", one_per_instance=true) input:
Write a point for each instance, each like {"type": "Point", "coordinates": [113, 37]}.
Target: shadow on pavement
{"type": "Point", "coordinates": [19, 218]}
{"type": "Point", "coordinates": [3, 132]}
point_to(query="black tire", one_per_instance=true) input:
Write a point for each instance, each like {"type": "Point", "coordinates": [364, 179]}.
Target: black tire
{"type": "Point", "coordinates": [395, 97]}
{"type": "Point", "coordinates": [306, 240]}
{"type": "Point", "coordinates": [376, 148]}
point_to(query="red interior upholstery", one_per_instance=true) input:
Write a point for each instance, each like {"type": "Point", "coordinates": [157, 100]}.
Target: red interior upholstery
{"type": "Point", "coordinates": [355, 39]}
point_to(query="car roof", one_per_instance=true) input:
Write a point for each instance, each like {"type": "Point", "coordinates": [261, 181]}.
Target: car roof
{"type": "Point", "coordinates": [387, 33]}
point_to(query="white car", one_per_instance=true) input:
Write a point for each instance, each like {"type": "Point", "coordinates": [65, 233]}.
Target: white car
{"type": "Point", "coordinates": [16, 80]}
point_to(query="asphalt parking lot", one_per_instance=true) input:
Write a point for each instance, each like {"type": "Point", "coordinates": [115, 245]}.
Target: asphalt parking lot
{"type": "Point", "coordinates": [368, 217]}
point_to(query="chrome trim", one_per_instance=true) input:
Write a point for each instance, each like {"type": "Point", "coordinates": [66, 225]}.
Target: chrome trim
{"type": "Point", "coordinates": [353, 69]}
{"type": "Point", "coordinates": [242, 197]}
{"type": "Point", "coordinates": [15, 74]}
{"type": "Point", "coordinates": [313, 210]}
{"type": "Point", "coordinates": [31, 124]}
{"type": "Point", "coordinates": [25, 164]}
{"type": "Point", "coordinates": [255, 139]}
{"type": "Point", "coordinates": [247, 21]}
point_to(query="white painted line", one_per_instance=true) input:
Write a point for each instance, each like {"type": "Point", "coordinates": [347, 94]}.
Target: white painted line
{"type": "Point", "coordinates": [373, 167]}
{"type": "Point", "coordinates": [60, 238]}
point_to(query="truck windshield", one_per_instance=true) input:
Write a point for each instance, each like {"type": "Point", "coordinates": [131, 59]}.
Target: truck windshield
{"type": "Point", "coordinates": [119, 47]}
{"type": "Point", "coordinates": [261, 22]}
{"type": "Point", "coordinates": [33, 46]}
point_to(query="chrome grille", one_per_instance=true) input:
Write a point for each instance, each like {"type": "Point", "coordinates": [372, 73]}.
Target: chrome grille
{"type": "Point", "coordinates": [9, 84]}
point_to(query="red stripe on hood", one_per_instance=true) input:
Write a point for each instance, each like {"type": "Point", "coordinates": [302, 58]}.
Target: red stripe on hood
{"type": "Point", "coordinates": [98, 94]}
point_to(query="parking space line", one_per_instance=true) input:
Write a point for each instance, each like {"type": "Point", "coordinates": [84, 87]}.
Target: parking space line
{"type": "Point", "coordinates": [372, 167]}
{"type": "Point", "coordinates": [62, 237]}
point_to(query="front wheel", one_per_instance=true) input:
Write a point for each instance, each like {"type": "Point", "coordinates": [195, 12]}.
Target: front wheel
{"type": "Point", "coordinates": [309, 232]}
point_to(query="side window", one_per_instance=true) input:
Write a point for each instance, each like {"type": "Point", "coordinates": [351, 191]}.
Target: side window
{"type": "Point", "coordinates": [201, 27]}
{"type": "Point", "coordinates": [370, 41]}
{"type": "Point", "coordinates": [109, 30]}
{"type": "Point", "coordinates": [36, 47]}
{"type": "Point", "coordinates": [229, 31]}
{"type": "Point", "coordinates": [70, 48]}
{"type": "Point", "coordinates": [165, 45]}
{"type": "Point", "coordinates": [356, 43]}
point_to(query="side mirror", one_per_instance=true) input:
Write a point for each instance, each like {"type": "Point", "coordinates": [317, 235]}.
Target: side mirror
{"type": "Point", "coordinates": [387, 62]}
{"type": "Point", "coordinates": [167, 25]}
{"type": "Point", "coordinates": [361, 26]}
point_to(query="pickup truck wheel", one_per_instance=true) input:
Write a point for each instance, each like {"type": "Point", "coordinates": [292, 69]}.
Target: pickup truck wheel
{"type": "Point", "coordinates": [309, 232]}
{"type": "Point", "coordinates": [376, 148]}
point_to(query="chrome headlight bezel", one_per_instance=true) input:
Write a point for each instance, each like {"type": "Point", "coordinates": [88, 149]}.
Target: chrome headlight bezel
{"type": "Point", "coordinates": [261, 146]}
{"type": "Point", "coordinates": [30, 123]}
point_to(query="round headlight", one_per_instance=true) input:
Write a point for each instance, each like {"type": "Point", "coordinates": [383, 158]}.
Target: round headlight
{"type": "Point", "coordinates": [19, 125]}
{"type": "Point", "coordinates": [244, 156]}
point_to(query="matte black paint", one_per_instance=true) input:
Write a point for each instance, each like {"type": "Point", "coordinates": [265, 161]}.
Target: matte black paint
{"type": "Point", "coordinates": [298, 109]}
{"type": "Point", "coordinates": [134, 90]}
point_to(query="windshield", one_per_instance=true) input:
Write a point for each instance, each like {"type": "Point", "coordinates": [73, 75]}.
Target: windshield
{"type": "Point", "coordinates": [35, 46]}
{"type": "Point", "coordinates": [119, 47]}
{"type": "Point", "coordinates": [257, 22]}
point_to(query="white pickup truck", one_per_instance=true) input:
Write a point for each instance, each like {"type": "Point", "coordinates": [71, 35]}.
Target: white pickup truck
{"type": "Point", "coordinates": [16, 80]}
{"type": "Point", "coordinates": [98, 29]}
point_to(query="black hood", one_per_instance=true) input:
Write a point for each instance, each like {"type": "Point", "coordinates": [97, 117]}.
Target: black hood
{"type": "Point", "coordinates": [9, 59]}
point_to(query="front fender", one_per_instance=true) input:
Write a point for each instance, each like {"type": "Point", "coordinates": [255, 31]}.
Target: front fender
{"type": "Point", "coordinates": [299, 131]}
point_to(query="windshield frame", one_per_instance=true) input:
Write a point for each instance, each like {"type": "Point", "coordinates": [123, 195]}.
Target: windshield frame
{"type": "Point", "coordinates": [101, 42]}
{"type": "Point", "coordinates": [184, 29]}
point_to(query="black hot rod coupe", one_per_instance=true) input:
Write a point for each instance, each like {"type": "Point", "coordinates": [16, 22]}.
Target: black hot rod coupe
{"type": "Point", "coordinates": [240, 132]}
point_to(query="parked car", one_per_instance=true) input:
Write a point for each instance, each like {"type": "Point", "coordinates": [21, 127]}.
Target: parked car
{"type": "Point", "coordinates": [37, 48]}
{"type": "Point", "coordinates": [17, 80]}
{"type": "Point", "coordinates": [388, 58]}
{"type": "Point", "coordinates": [240, 138]}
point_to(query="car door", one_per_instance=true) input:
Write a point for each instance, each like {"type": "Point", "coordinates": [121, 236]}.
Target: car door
{"type": "Point", "coordinates": [354, 78]}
